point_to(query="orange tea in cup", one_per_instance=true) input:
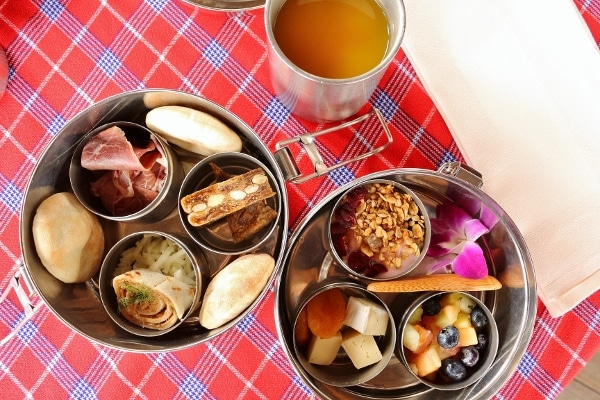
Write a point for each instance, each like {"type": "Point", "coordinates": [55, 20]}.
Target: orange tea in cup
{"type": "Point", "coordinates": [334, 39]}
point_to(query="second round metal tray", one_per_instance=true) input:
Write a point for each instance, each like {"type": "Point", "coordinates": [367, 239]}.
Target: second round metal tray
{"type": "Point", "coordinates": [513, 306]}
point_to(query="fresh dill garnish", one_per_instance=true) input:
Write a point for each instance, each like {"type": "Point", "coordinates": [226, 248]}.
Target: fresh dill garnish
{"type": "Point", "coordinates": [135, 294]}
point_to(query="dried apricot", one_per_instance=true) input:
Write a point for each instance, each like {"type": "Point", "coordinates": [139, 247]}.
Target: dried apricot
{"type": "Point", "coordinates": [326, 313]}
{"type": "Point", "coordinates": [302, 330]}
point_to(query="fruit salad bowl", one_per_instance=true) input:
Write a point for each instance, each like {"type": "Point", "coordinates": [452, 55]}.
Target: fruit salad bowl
{"type": "Point", "coordinates": [447, 340]}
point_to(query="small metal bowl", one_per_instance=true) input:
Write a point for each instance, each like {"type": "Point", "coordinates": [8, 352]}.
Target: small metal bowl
{"type": "Point", "coordinates": [341, 245]}
{"type": "Point", "coordinates": [166, 200]}
{"type": "Point", "coordinates": [342, 372]}
{"type": "Point", "coordinates": [108, 272]}
{"type": "Point", "coordinates": [437, 380]}
{"type": "Point", "coordinates": [217, 236]}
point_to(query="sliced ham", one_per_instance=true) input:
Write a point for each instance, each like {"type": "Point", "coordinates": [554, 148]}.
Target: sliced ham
{"type": "Point", "coordinates": [110, 150]}
{"type": "Point", "coordinates": [133, 176]}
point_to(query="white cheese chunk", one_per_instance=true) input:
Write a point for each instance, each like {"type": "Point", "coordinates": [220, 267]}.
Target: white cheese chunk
{"type": "Point", "coordinates": [323, 351]}
{"type": "Point", "coordinates": [361, 349]}
{"type": "Point", "coordinates": [366, 316]}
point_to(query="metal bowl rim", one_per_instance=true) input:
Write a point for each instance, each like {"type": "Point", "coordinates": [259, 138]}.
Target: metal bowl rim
{"type": "Point", "coordinates": [422, 209]}
{"type": "Point", "coordinates": [235, 250]}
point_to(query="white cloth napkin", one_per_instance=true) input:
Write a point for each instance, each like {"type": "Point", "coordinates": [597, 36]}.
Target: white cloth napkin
{"type": "Point", "coordinates": [518, 84]}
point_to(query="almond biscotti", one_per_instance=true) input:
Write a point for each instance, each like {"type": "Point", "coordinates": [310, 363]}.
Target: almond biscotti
{"type": "Point", "coordinates": [246, 222]}
{"type": "Point", "coordinates": [223, 198]}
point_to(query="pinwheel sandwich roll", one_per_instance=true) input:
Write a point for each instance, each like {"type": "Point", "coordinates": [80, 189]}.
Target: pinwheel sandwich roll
{"type": "Point", "coordinates": [151, 299]}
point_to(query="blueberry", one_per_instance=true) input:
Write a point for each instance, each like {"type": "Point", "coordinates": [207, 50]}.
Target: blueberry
{"type": "Point", "coordinates": [469, 356]}
{"type": "Point", "coordinates": [448, 337]}
{"type": "Point", "coordinates": [453, 370]}
{"type": "Point", "coordinates": [478, 318]}
{"type": "Point", "coordinates": [431, 306]}
{"type": "Point", "coordinates": [481, 341]}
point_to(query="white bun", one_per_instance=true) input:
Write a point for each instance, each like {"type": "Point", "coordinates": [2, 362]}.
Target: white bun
{"type": "Point", "coordinates": [193, 130]}
{"type": "Point", "coordinates": [68, 238]}
{"type": "Point", "coordinates": [234, 288]}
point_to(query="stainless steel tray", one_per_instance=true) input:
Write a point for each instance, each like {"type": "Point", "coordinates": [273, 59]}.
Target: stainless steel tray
{"type": "Point", "coordinates": [79, 305]}
{"type": "Point", "coordinates": [513, 306]}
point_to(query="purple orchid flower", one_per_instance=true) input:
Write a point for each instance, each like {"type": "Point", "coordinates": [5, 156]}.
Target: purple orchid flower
{"type": "Point", "coordinates": [453, 241]}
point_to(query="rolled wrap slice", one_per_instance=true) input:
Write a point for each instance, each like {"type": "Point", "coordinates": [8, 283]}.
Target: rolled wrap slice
{"type": "Point", "coordinates": [152, 300]}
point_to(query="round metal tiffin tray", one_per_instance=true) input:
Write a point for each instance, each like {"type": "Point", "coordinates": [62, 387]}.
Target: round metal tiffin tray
{"type": "Point", "coordinates": [308, 261]}
{"type": "Point", "coordinates": [79, 305]}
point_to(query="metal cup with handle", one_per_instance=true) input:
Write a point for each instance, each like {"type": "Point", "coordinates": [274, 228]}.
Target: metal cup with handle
{"type": "Point", "coordinates": [323, 99]}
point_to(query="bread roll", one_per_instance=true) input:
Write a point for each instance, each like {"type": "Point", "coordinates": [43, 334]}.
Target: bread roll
{"type": "Point", "coordinates": [234, 288]}
{"type": "Point", "coordinates": [193, 130]}
{"type": "Point", "coordinates": [68, 238]}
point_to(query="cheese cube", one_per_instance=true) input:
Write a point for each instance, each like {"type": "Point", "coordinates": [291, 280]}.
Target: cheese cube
{"type": "Point", "coordinates": [361, 349]}
{"type": "Point", "coordinates": [366, 316]}
{"type": "Point", "coordinates": [323, 351]}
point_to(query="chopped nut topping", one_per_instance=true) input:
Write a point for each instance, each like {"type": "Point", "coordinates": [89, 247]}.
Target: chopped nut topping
{"type": "Point", "coordinates": [388, 226]}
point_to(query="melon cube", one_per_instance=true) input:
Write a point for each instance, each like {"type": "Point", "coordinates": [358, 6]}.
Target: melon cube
{"type": "Point", "coordinates": [468, 336]}
{"type": "Point", "coordinates": [465, 303]}
{"type": "Point", "coordinates": [445, 353]}
{"type": "Point", "coordinates": [415, 317]}
{"type": "Point", "coordinates": [428, 362]}
{"type": "Point", "coordinates": [447, 315]}
{"type": "Point", "coordinates": [463, 320]}
{"type": "Point", "coordinates": [429, 322]}
{"type": "Point", "coordinates": [416, 338]}
{"type": "Point", "coordinates": [410, 339]}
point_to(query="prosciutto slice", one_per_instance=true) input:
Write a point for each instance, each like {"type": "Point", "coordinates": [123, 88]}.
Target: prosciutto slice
{"type": "Point", "coordinates": [110, 149]}
{"type": "Point", "coordinates": [131, 175]}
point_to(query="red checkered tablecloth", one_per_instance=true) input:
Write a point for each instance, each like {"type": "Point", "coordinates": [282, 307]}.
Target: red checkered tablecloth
{"type": "Point", "coordinates": [66, 55]}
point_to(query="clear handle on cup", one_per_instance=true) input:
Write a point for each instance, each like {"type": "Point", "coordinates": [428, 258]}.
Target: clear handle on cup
{"type": "Point", "coordinates": [25, 298]}
{"type": "Point", "coordinates": [290, 169]}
